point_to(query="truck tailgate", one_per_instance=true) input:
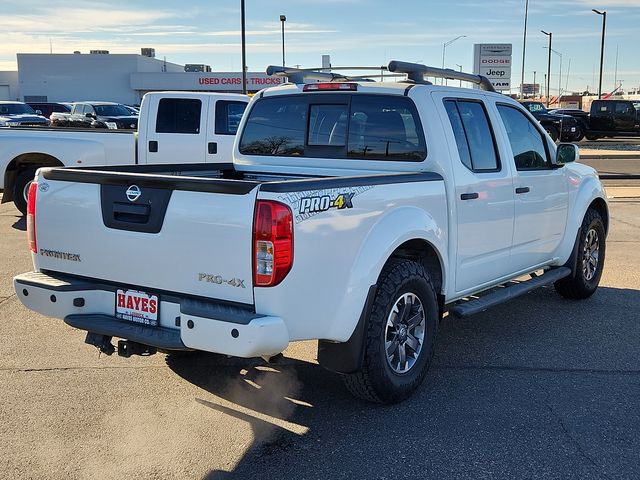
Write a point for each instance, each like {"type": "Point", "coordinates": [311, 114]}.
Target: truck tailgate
{"type": "Point", "coordinates": [171, 238]}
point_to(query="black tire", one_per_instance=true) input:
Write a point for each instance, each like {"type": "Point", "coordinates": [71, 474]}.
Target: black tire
{"type": "Point", "coordinates": [585, 280]}
{"type": "Point", "coordinates": [591, 138]}
{"type": "Point", "coordinates": [579, 137]}
{"type": "Point", "coordinates": [21, 184]}
{"type": "Point", "coordinates": [553, 133]}
{"type": "Point", "coordinates": [377, 381]}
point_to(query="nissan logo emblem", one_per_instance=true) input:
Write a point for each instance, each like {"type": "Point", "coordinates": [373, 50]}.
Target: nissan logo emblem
{"type": "Point", "coordinates": [133, 193]}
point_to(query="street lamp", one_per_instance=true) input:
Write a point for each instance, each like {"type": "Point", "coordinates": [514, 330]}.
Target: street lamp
{"type": "Point", "coordinates": [444, 48]}
{"type": "Point", "coordinates": [560, 75]}
{"type": "Point", "coordinates": [244, 53]}
{"type": "Point", "coordinates": [460, 68]}
{"type": "Point", "coordinates": [524, 45]}
{"type": "Point", "coordinates": [283, 19]}
{"type": "Point", "coordinates": [604, 24]}
{"type": "Point", "coordinates": [550, 35]}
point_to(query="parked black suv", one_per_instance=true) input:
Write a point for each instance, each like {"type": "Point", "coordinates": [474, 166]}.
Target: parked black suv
{"type": "Point", "coordinates": [47, 108]}
{"type": "Point", "coordinates": [563, 127]}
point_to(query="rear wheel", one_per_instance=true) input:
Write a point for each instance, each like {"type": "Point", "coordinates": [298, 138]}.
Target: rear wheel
{"type": "Point", "coordinates": [553, 133]}
{"type": "Point", "coordinates": [590, 261]}
{"type": "Point", "coordinates": [401, 335]}
{"type": "Point", "coordinates": [21, 188]}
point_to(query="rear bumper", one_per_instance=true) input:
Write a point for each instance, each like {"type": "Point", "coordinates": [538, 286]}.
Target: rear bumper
{"type": "Point", "coordinates": [185, 323]}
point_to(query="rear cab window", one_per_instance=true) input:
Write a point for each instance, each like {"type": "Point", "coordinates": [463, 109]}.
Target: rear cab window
{"type": "Point", "coordinates": [179, 115]}
{"type": "Point", "coordinates": [325, 125]}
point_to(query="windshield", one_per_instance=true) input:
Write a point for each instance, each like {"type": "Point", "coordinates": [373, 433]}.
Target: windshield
{"type": "Point", "coordinates": [15, 109]}
{"type": "Point", "coordinates": [112, 111]}
{"type": "Point", "coordinates": [536, 107]}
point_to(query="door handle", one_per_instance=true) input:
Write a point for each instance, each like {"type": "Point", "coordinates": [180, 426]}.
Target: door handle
{"type": "Point", "coordinates": [469, 196]}
{"type": "Point", "coordinates": [153, 146]}
{"type": "Point", "coordinates": [522, 190]}
{"type": "Point", "coordinates": [212, 148]}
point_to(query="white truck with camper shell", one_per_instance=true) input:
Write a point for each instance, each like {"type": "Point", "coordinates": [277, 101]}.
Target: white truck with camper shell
{"type": "Point", "coordinates": [173, 126]}
{"type": "Point", "coordinates": [354, 213]}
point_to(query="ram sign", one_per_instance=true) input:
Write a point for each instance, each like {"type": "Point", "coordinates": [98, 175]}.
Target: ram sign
{"type": "Point", "coordinates": [493, 60]}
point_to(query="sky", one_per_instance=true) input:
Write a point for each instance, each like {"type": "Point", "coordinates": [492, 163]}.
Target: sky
{"type": "Point", "coordinates": [353, 32]}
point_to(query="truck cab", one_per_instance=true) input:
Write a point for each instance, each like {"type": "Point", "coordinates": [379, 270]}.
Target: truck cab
{"type": "Point", "coordinates": [615, 117]}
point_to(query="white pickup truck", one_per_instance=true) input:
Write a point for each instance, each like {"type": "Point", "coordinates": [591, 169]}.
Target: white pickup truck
{"type": "Point", "coordinates": [173, 126]}
{"type": "Point", "coordinates": [354, 213]}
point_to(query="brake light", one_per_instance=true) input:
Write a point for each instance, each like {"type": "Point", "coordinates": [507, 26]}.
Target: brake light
{"type": "Point", "coordinates": [272, 243]}
{"type": "Point", "coordinates": [31, 217]}
{"type": "Point", "coordinates": [315, 87]}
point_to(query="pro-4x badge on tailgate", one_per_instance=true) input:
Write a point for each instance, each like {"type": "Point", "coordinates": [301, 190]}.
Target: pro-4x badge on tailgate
{"type": "Point", "coordinates": [325, 202]}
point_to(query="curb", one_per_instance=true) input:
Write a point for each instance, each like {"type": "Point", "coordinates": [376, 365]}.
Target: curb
{"type": "Point", "coordinates": [611, 157]}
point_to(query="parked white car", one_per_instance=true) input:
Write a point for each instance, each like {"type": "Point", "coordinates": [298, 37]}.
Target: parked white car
{"type": "Point", "coordinates": [354, 213]}
{"type": "Point", "coordinates": [174, 127]}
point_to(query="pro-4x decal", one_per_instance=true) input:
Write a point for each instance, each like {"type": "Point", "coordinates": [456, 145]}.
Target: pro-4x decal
{"type": "Point", "coordinates": [310, 203]}
{"type": "Point", "coordinates": [322, 203]}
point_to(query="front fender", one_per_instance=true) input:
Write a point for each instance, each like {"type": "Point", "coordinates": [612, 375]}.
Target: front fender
{"type": "Point", "coordinates": [584, 188]}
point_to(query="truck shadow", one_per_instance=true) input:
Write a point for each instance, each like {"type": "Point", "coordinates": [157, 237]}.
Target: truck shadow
{"type": "Point", "coordinates": [495, 379]}
{"type": "Point", "coordinates": [20, 224]}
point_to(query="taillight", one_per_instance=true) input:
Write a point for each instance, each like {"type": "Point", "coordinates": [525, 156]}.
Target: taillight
{"type": "Point", "coordinates": [318, 87]}
{"type": "Point", "coordinates": [272, 243]}
{"type": "Point", "coordinates": [31, 217]}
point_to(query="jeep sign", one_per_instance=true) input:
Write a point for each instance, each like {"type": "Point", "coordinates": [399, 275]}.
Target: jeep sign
{"type": "Point", "coordinates": [493, 60]}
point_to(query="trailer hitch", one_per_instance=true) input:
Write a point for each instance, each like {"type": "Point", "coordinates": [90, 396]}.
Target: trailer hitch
{"type": "Point", "coordinates": [102, 342]}
{"type": "Point", "coordinates": [126, 348]}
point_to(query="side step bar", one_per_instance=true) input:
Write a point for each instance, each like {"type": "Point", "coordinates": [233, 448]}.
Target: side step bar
{"type": "Point", "coordinates": [505, 294]}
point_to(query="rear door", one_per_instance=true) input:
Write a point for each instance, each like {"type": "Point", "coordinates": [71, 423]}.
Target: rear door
{"type": "Point", "coordinates": [223, 119]}
{"type": "Point", "coordinates": [624, 116]}
{"type": "Point", "coordinates": [176, 130]}
{"type": "Point", "coordinates": [483, 193]}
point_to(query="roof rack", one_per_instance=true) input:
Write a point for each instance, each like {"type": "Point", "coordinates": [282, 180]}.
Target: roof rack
{"type": "Point", "coordinates": [416, 73]}
{"type": "Point", "coordinates": [323, 74]}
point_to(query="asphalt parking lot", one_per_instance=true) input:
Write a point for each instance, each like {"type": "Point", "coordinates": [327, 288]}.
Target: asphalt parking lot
{"type": "Point", "coordinates": [539, 388]}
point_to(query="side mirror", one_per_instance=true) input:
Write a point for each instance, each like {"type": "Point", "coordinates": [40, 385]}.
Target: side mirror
{"type": "Point", "coordinates": [38, 112]}
{"type": "Point", "coordinates": [567, 153]}
{"type": "Point", "coordinates": [89, 115]}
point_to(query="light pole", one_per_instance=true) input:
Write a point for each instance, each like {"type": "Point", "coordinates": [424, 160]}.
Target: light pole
{"type": "Point", "coordinates": [282, 20]}
{"type": "Point", "coordinates": [524, 45]}
{"type": "Point", "coordinates": [560, 74]}
{"type": "Point", "coordinates": [550, 35]}
{"type": "Point", "coordinates": [534, 83]}
{"type": "Point", "coordinates": [444, 49]}
{"type": "Point", "coordinates": [244, 53]}
{"type": "Point", "coordinates": [604, 24]}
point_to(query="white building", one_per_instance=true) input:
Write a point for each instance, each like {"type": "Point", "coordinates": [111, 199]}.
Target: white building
{"type": "Point", "coordinates": [9, 86]}
{"type": "Point", "coordinates": [123, 78]}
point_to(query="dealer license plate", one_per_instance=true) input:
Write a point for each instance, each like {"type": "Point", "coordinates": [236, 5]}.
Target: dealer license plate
{"type": "Point", "coordinates": [136, 306]}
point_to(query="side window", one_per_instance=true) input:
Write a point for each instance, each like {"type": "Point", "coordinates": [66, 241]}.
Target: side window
{"type": "Point", "coordinates": [179, 115]}
{"type": "Point", "coordinates": [473, 134]}
{"type": "Point", "coordinates": [527, 143]}
{"type": "Point", "coordinates": [328, 125]}
{"type": "Point", "coordinates": [385, 128]}
{"type": "Point", "coordinates": [622, 108]}
{"type": "Point", "coordinates": [88, 109]}
{"type": "Point", "coordinates": [228, 116]}
{"type": "Point", "coordinates": [275, 126]}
